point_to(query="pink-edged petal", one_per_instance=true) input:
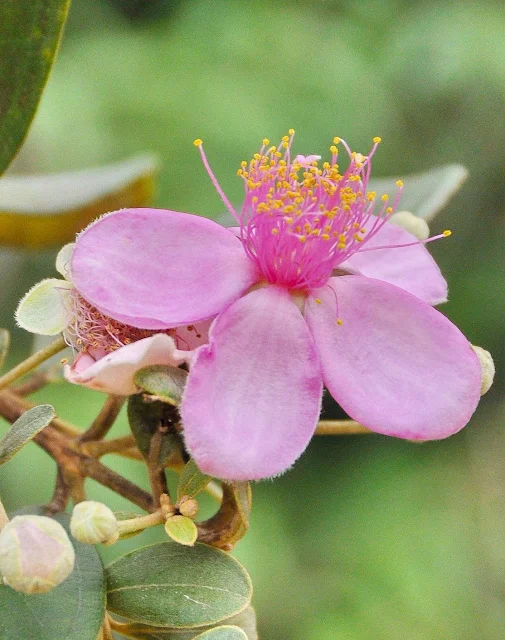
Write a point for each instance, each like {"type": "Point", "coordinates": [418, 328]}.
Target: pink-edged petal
{"type": "Point", "coordinates": [153, 268]}
{"type": "Point", "coordinates": [395, 364]}
{"type": "Point", "coordinates": [411, 268]}
{"type": "Point", "coordinates": [114, 372]}
{"type": "Point", "coordinates": [254, 393]}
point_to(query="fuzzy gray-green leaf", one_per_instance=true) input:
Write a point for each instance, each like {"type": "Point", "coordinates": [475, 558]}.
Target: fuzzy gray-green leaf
{"type": "Point", "coordinates": [24, 429]}
{"type": "Point", "coordinates": [170, 585]}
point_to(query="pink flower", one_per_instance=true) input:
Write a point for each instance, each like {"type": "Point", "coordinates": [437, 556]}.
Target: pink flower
{"type": "Point", "coordinates": [108, 352]}
{"type": "Point", "coordinates": [314, 287]}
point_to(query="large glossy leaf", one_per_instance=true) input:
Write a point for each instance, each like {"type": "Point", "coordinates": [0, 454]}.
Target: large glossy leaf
{"type": "Point", "coordinates": [24, 429]}
{"type": "Point", "coordinates": [424, 194]}
{"type": "Point", "coordinates": [46, 210]}
{"type": "Point", "coordinates": [72, 611]}
{"type": "Point", "coordinates": [171, 585]}
{"type": "Point", "coordinates": [30, 36]}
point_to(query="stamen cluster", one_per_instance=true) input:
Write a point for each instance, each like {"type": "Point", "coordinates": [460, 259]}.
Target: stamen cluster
{"type": "Point", "coordinates": [300, 220]}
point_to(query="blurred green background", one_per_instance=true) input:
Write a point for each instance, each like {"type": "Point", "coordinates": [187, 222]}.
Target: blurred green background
{"type": "Point", "coordinates": [367, 537]}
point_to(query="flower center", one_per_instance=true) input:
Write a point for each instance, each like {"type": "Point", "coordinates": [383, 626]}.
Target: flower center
{"type": "Point", "coordinates": [90, 331]}
{"type": "Point", "coordinates": [301, 219]}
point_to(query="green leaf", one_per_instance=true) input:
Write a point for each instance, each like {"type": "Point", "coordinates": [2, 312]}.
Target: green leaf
{"type": "Point", "coordinates": [72, 611]}
{"type": "Point", "coordinates": [24, 429]}
{"type": "Point", "coordinates": [225, 632]}
{"type": "Point", "coordinates": [170, 585]}
{"type": "Point", "coordinates": [246, 621]}
{"type": "Point", "coordinates": [5, 341]}
{"type": "Point", "coordinates": [145, 420]}
{"type": "Point", "coordinates": [30, 36]}
{"type": "Point", "coordinates": [165, 382]}
{"type": "Point", "coordinates": [182, 530]}
{"type": "Point", "coordinates": [424, 194]}
{"type": "Point", "coordinates": [191, 481]}
{"type": "Point", "coordinates": [48, 210]}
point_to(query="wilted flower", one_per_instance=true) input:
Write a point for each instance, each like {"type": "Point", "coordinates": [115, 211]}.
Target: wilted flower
{"type": "Point", "coordinates": [36, 554]}
{"type": "Point", "coordinates": [314, 286]}
{"type": "Point", "coordinates": [93, 522]}
{"type": "Point", "coordinates": [109, 352]}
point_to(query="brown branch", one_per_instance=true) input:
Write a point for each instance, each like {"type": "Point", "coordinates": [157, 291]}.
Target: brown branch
{"type": "Point", "coordinates": [98, 448]}
{"type": "Point", "coordinates": [105, 419]}
{"type": "Point", "coordinates": [72, 460]}
{"type": "Point", "coordinates": [34, 383]}
{"type": "Point", "coordinates": [157, 476]}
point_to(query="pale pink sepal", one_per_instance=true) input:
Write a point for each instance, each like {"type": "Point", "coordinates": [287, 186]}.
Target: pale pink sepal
{"type": "Point", "coordinates": [254, 393]}
{"type": "Point", "coordinates": [153, 268]}
{"type": "Point", "coordinates": [113, 373]}
{"type": "Point", "coordinates": [411, 268]}
{"type": "Point", "coordinates": [395, 364]}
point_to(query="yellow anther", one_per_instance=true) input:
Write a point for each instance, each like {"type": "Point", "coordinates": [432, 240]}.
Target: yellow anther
{"type": "Point", "coordinates": [275, 231]}
{"type": "Point", "coordinates": [302, 238]}
{"type": "Point", "coordinates": [325, 236]}
{"type": "Point", "coordinates": [291, 132]}
{"type": "Point", "coordinates": [385, 197]}
{"type": "Point", "coordinates": [318, 301]}
{"type": "Point", "coordinates": [64, 361]}
{"type": "Point", "coordinates": [377, 140]}
{"type": "Point", "coordinates": [389, 210]}
{"type": "Point", "coordinates": [243, 163]}
{"type": "Point", "coordinates": [333, 149]}
{"type": "Point", "coordinates": [289, 220]}
{"type": "Point", "coordinates": [358, 238]}
{"type": "Point", "coordinates": [266, 141]}
{"type": "Point", "coordinates": [399, 183]}
{"type": "Point", "coordinates": [447, 233]}
{"type": "Point", "coordinates": [340, 322]}
{"type": "Point", "coordinates": [336, 140]}
{"type": "Point", "coordinates": [198, 142]}
{"type": "Point", "coordinates": [371, 195]}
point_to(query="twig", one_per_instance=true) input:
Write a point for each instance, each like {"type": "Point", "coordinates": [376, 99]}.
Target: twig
{"type": "Point", "coordinates": [105, 419]}
{"type": "Point", "coordinates": [35, 382]}
{"type": "Point", "coordinates": [98, 448]}
{"type": "Point", "coordinates": [32, 362]}
{"type": "Point", "coordinates": [340, 428]}
{"type": "Point", "coordinates": [61, 494]}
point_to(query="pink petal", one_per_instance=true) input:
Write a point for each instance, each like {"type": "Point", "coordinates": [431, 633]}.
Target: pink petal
{"type": "Point", "coordinates": [395, 364]}
{"type": "Point", "coordinates": [153, 269]}
{"type": "Point", "coordinates": [114, 372]}
{"type": "Point", "coordinates": [254, 393]}
{"type": "Point", "coordinates": [411, 268]}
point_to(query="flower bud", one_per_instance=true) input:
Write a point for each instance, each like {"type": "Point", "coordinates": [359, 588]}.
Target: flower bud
{"type": "Point", "coordinates": [486, 367]}
{"type": "Point", "coordinates": [93, 522]}
{"type": "Point", "coordinates": [36, 554]}
{"type": "Point", "coordinates": [411, 223]}
{"type": "Point", "coordinates": [188, 507]}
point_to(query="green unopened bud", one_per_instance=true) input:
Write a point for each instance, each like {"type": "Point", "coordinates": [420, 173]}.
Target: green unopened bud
{"type": "Point", "coordinates": [36, 554]}
{"type": "Point", "coordinates": [411, 223]}
{"type": "Point", "coordinates": [93, 522]}
{"type": "Point", "coordinates": [486, 368]}
{"type": "Point", "coordinates": [188, 507]}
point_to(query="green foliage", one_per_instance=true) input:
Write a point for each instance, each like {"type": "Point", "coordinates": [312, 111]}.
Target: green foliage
{"type": "Point", "coordinates": [24, 429]}
{"type": "Point", "coordinates": [182, 530]}
{"type": "Point", "coordinates": [165, 382]}
{"type": "Point", "coordinates": [30, 37]}
{"type": "Point", "coordinates": [5, 341]}
{"type": "Point", "coordinates": [191, 480]}
{"type": "Point", "coordinates": [225, 632]}
{"type": "Point", "coordinates": [172, 585]}
{"type": "Point", "coordinates": [424, 193]}
{"type": "Point", "coordinates": [72, 611]}
{"type": "Point", "coordinates": [146, 419]}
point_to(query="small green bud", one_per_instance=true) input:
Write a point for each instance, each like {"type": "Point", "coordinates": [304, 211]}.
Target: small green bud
{"type": "Point", "coordinates": [93, 522]}
{"type": "Point", "coordinates": [188, 507]}
{"type": "Point", "coordinates": [486, 367]}
{"type": "Point", "coordinates": [36, 554]}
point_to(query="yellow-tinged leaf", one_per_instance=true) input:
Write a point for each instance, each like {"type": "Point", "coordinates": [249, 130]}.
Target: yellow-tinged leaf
{"type": "Point", "coordinates": [182, 530]}
{"type": "Point", "coordinates": [46, 210]}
